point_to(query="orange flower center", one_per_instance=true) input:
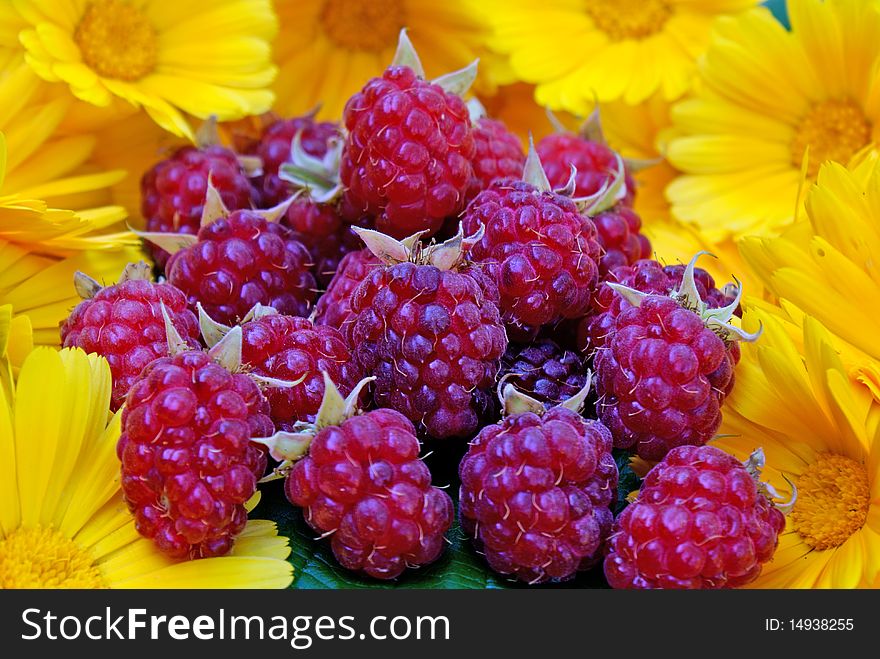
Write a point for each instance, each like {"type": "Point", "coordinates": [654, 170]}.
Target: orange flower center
{"type": "Point", "coordinates": [832, 501]}
{"type": "Point", "coordinates": [363, 24]}
{"type": "Point", "coordinates": [833, 130]}
{"type": "Point", "coordinates": [628, 19]}
{"type": "Point", "coordinates": [44, 558]}
{"type": "Point", "coordinates": [117, 40]}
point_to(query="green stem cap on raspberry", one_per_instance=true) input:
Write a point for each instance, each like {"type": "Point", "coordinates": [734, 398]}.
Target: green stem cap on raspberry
{"type": "Point", "coordinates": [318, 176]}
{"type": "Point", "coordinates": [214, 334]}
{"type": "Point", "coordinates": [445, 256]}
{"type": "Point", "coordinates": [456, 82]}
{"type": "Point", "coordinates": [87, 287]}
{"type": "Point", "coordinates": [754, 465]}
{"type": "Point", "coordinates": [288, 447]}
{"type": "Point", "coordinates": [515, 401]}
{"type": "Point", "coordinates": [208, 135]}
{"type": "Point", "coordinates": [688, 296]}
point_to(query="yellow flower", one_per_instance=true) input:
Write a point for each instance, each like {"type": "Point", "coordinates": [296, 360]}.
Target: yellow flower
{"type": "Point", "coordinates": [63, 522]}
{"type": "Point", "coordinates": [42, 247]}
{"type": "Point", "coordinates": [164, 55]}
{"type": "Point", "coordinates": [579, 52]}
{"type": "Point", "coordinates": [328, 49]}
{"type": "Point", "coordinates": [828, 267]}
{"type": "Point", "coordinates": [822, 432]}
{"type": "Point", "coordinates": [766, 95]}
{"type": "Point", "coordinates": [16, 342]}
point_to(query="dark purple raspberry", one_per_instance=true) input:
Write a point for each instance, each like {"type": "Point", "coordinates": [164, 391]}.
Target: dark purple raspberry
{"type": "Point", "coordinates": [536, 493]}
{"type": "Point", "coordinates": [700, 521]}
{"type": "Point", "coordinates": [434, 340]}
{"type": "Point", "coordinates": [364, 484]}
{"type": "Point", "coordinates": [544, 371]}
{"type": "Point", "coordinates": [334, 306]}
{"type": "Point", "coordinates": [188, 465]}
{"type": "Point", "coordinates": [539, 249]}
{"type": "Point", "coordinates": [596, 164]}
{"type": "Point", "coordinates": [173, 190]}
{"type": "Point", "coordinates": [647, 276]}
{"type": "Point", "coordinates": [292, 349]}
{"type": "Point", "coordinates": [661, 378]}
{"type": "Point", "coordinates": [124, 324]}
{"type": "Point", "coordinates": [324, 233]}
{"type": "Point", "coordinates": [273, 150]}
{"type": "Point", "coordinates": [498, 155]}
{"type": "Point", "coordinates": [408, 152]}
{"type": "Point", "coordinates": [241, 260]}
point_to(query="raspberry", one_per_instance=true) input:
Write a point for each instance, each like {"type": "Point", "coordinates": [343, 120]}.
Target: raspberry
{"type": "Point", "coordinates": [544, 371]}
{"type": "Point", "coordinates": [123, 323]}
{"type": "Point", "coordinates": [273, 150]}
{"type": "Point", "coordinates": [363, 483]}
{"type": "Point", "coordinates": [430, 332]}
{"type": "Point", "coordinates": [322, 231]}
{"type": "Point", "coordinates": [173, 191]}
{"type": "Point", "coordinates": [498, 155]}
{"type": "Point", "coordinates": [617, 230]}
{"type": "Point", "coordinates": [647, 276]}
{"type": "Point", "coordinates": [241, 259]}
{"type": "Point", "coordinates": [188, 465]}
{"type": "Point", "coordinates": [701, 520]}
{"type": "Point", "coordinates": [408, 152]}
{"type": "Point", "coordinates": [536, 491]}
{"type": "Point", "coordinates": [666, 370]}
{"type": "Point", "coordinates": [292, 349]}
{"type": "Point", "coordinates": [595, 162]}
{"type": "Point", "coordinates": [334, 306]}
{"type": "Point", "coordinates": [539, 248]}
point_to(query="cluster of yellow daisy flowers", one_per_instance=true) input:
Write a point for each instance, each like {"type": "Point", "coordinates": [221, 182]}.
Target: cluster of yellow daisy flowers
{"type": "Point", "coordinates": [755, 143]}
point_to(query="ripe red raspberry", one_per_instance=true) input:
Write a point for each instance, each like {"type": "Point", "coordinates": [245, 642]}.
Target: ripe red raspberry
{"type": "Point", "coordinates": [666, 370]}
{"type": "Point", "coordinates": [273, 150]}
{"type": "Point", "coordinates": [173, 190]}
{"type": "Point", "coordinates": [123, 323]}
{"type": "Point", "coordinates": [326, 236]}
{"type": "Point", "coordinates": [536, 491]}
{"type": "Point", "coordinates": [408, 152]}
{"type": "Point", "coordinates": [188, 465]}
{"type": "Point", "coordinates": [647, 276]}
{"type": "Point", "coordinates": [700, 520]}
{"type": "Point", "coordinates": [334, 306]}
{"type": "Point", "coordinates": [617, 231]}
{"type": "Point", "coordinates": [292, 349]}
{"type": "Point", "coordinates": [594, 160]}
{"type": "Point", "coordinates": [242, 259]}
{"type": "Point", "coordinates": [544, 371]}
{"type": "Point", "coordinates": [498, 155]}
{"type": "Point", "coordinates": [430, 332]}
{"type": "Point", "coordinates": [362, 482]}
{"type": "Point", "coordinates": [542, 252]}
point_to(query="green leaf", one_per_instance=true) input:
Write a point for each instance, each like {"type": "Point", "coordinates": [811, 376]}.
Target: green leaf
{"type": "Point", "coordinates": [628, 480]}
{"type": "Point", "coordinates": [315, 567]}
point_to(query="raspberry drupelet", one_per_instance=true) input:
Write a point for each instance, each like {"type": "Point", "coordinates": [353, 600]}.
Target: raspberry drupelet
{"type": "Point", "coordinates": [498, 153]}
{"type": "Point", "coordinates": [239, 259]}
{"type": "Point", "coordinates": [537, 489]}
{"type": "Point", "coordinates": [427, 326]}
{"type": "Point", "coordinates": [409, 147]}
{"type": "Point", "coordinates": [669, 364]}
{"type": "Point", "coordinates": [701, 519]}
{"type": "Point", "coordinates": [188, 465]}
{"type": "Point", "coordinates": [358, 478]}
{"type": "Point", "coordinates": [123, 323]}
